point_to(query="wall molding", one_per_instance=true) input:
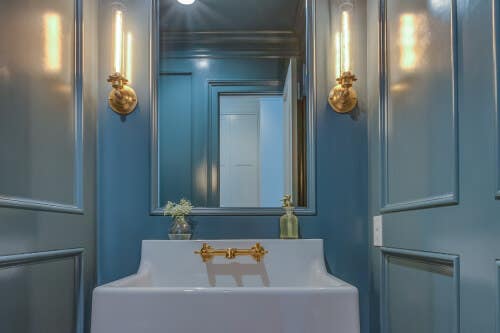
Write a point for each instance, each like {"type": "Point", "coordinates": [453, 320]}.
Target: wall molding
{"type": "Point", "coordinates": [420, 256]}
{"type": "Point", "coordinates": [77, 206]}
{"type": "Point", "coordinates": [215, 88]}
{"type": "Point", "coordinates": [452, 197]}
{"type": "Point", "coordinates": [9, 261]}
{"type": "Point", "coordinates": [310, 68]}
{"type": "Point", "coordinates": [275, 44]}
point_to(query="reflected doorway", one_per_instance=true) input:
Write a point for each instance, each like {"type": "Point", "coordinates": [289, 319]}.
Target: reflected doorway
{"type": "Point", "coordinates": [255, 150]}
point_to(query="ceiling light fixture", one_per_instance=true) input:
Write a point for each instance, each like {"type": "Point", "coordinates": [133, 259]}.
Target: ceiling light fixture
{"type": "Point", "coordinates": [186, 2]}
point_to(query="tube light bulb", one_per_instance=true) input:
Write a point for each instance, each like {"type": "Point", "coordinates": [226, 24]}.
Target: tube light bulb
{"type": "Point", "coordinates": [118, 41]}
{"type": "Point", "coordinates": [346, 41]}
{"type": "Point", "coordinates": [128, 67]}
{"type": "Point", "coordinates": [338, 55]}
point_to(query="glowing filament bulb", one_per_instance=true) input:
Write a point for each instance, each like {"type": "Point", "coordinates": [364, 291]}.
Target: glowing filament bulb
{"type": "Point", "coordinates": [118, 41]}
{"type": "Point", "coordinates": [346, 41]}
{"type": "Point", "coordinates": [338, 55]}
{"type": "Point", "coordinates": [52, 42]}
{"type": "Point", "coordinates": [128, 68]}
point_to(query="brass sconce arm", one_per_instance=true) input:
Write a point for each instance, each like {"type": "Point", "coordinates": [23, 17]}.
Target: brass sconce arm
{"type": "Point", "coordinates": [207, 252]}
{"type": "Point", "coordinates": [122, 99]}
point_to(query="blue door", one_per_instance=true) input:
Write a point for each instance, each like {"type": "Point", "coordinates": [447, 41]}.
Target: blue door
{"type": "Point", "coordinates": [434, 169]}
{"type": "Point", "coordinates": [47, 165]}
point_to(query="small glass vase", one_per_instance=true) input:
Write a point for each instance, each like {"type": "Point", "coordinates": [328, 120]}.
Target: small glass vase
{"type": "Point", "coordinates": [180, 229]}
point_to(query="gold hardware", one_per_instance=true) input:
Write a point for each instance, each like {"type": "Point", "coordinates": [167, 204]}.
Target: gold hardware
{"type": "Point", "coordinates": [287, 201]}
{"type": "Point", "coordinates": [343, 98]}
{"type": "Point", "coordinates": [122, 99]}
{"type": "Point", "coordinates": [207, 252]}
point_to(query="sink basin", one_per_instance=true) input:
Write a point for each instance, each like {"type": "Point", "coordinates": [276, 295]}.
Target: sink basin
{"type": "Point", "coordinates": [174, 291]}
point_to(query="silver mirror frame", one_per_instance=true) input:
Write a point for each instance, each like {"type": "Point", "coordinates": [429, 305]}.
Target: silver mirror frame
{"type": "Point", "coordinates": [156, 208]}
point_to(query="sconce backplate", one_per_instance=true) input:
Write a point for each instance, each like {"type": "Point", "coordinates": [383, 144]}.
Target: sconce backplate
{"type": "Point", "coordinates": [343, 99]}
{"type": "Point", "coordinates": [123, 100]}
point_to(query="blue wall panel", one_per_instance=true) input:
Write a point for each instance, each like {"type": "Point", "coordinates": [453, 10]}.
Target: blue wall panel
{"type": "Point", "coordinates": [175, 137]}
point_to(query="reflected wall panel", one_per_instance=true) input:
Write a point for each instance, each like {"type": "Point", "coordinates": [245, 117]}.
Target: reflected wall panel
{"type": "Point", "coordinates": [175, 146]}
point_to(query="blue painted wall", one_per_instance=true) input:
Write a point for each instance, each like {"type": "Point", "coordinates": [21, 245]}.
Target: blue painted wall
{"type": "Point", "coordinates": [124, 164]}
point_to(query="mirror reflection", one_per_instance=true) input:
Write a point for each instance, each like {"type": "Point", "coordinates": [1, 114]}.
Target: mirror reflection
{"type": "Point", "coordinates": [232, 102]}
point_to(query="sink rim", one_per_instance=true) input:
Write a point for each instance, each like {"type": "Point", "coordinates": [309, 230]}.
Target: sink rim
{"type": "Point", "coordinates": [242, 290]}
{"type": "Point", "coordinates": [140, 281]}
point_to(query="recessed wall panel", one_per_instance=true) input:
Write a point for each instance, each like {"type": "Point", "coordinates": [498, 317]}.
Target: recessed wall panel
{"type": "Point", "coordinates": [175, 146]}
{"type": "Point", "coordinates": [420, 292]}
{"type": "Point", "coordinates": [41, 292]}
{"type": "Point", "coordinates": [39, 101]}
{"type": "Point", "coordinates": [419, 111]}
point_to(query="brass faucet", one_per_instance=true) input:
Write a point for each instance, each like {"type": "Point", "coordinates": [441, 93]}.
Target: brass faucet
{"type": "Point", "coordinates": [207, 252]}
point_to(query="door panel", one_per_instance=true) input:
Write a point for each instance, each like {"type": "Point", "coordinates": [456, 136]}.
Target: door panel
{"type": "Point", "coordinates": [47, 164]}
{"type": "Point", "coordinates": [40, 124]}
{"type": "Point", "coordinates": [419, 141]}
{"type": "Point", "coordinates": [420, 292]}
{"type": "Point", "coordinates": [418, 167]}
{"type": "Point", "coordinates": [34, 279]}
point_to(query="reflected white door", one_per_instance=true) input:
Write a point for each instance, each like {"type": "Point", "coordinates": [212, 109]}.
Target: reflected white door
{"type": "Point", "coordinates": [239, 151]}
{"type": "Point", "coordinates": [272, 153]}
{"type": "Point", "coordinates": [252, 154]}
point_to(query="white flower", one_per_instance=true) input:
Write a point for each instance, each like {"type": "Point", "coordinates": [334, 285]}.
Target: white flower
{"type": "Point", "coordinates": [183, 208]}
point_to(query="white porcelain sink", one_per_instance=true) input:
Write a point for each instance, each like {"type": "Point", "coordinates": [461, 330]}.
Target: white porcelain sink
{"type": "Point", "coordinates": [174, 291]}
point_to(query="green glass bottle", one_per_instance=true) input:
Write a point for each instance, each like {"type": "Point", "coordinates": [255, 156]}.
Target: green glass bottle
{"type": "Point", "coordinates": [289, 223]}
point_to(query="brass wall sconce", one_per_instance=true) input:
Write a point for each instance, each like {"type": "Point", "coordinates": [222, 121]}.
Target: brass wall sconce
{"type": "Point", "coordinates": [342, 97]}
{"type": "Point", "coordinates": [122, 99]}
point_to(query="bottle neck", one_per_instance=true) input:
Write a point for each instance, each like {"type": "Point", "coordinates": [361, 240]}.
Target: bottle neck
{"type": "Point", "coordinates": [288, 210]}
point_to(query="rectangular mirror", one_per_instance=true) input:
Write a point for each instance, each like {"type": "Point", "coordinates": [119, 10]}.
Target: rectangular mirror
{"type": "Point", "coordinates": [233, 101]}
